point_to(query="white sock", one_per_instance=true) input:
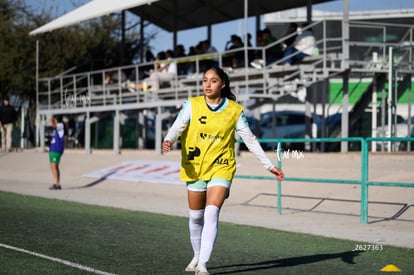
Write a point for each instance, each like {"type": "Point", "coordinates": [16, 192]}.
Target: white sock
{"type": "Point", "coordinates": [209, 234]}
{"type": "Point", "coordinates": [195, 224]}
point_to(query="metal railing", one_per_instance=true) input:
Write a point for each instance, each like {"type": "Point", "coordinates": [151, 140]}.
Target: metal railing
{"type": "Point", "coordinates": [269, 82]}
{"type": "Point", "coordinates": [363, 181]}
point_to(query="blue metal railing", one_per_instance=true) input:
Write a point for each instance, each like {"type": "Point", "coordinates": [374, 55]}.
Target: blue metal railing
{"type": "Point", "coordinates": [363, 181]}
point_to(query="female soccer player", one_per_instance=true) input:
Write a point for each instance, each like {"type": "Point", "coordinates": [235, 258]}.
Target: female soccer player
{"type": "Point", "coordinates": [207, 126]}
{"type": "Point", "coordinates": [56, 149]}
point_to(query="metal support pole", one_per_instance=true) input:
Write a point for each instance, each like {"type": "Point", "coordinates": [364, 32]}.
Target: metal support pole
{"type": "Point", "coordinates": [87, 124]}
{"type": "Point", "coordinates": [246, 55]}
{"type": "Point", "coordinates": [308, 125]}
{"type": "Point", "coordinates": [141, 40]}
{"type": "Point", "coordinates": [345, 112]}
{"type": "Point", "coordinates": [175, 25]}
{"type": "Point", "coordinates": [364, 181]}
{"type": "Point", "coordinates": [141, 130]}
{"type": "Point", "coordinates": [37, 95]}
{"type": "Point", "coordinates": [279, 183]}
{"type": "Point", "coordinates": [274, 122]}
{"type": "Point", "coordinates": [309, 11]}
{"type": "Point", "coordinates": [345, 35]}
{"type": "Point", "coordinates": [122, 49]}
{"type": "Point", "coordinates": [22, 123]}
{"type": "Point", "coordinates": [410, 102]}
{"type": "Point", "coordinates": [42, 132]}
{"type": "Point", "coordinates": [37, 130]}
{"type": "Point", "coordinates": [389, 99]}
{"type": "Point", "coordinates": [116, 133]}
{"type": "Point", "coordinates": [345, 66]}
{"type": "Point", "coordinates": [374, 110]}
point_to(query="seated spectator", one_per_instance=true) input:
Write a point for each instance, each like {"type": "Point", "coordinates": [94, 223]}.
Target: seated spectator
{"type": "Point", "coordinates": [304, 45]}
{"type": "Point", "coordinates": [205, 47]}
{"type": "Point", "coordinates": [108, 78]}
{"type": "Point", "coordinates": [272, 54]}
{"type": "Point", "coordinates": [258, 55]}
{"type": "Point", "coordinates": [165, 70]}
{"type": "Point", "coordinates": [234, 59]}
{"type": "Point", "coordinates": [145, 70]}
{"type": "Point", "coordinates": [182, 67]}
{"type": "Point", "coordinates": [276, 51]}
{"type": "Point", "coordinates": [249, 38]}
{"type": "Point", "coordinates": [191, 65]}
{"type": "Point", "coordinates": [293, 27]}
{"type": "Point", "coordinates": [112, 77]}
{"type": "Point", "coordinates": [250, 53]}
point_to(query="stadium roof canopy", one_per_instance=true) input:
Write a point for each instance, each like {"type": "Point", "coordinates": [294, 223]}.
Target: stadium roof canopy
{"type": "Point", "coordinates": [175, 15]}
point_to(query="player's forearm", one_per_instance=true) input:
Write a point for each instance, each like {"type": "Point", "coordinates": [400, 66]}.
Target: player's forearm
{"type": "Point", "coordinates": [254, 146]}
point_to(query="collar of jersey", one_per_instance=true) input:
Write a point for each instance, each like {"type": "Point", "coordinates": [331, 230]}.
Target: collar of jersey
{"type": "Point", "coordinates": [218, 106]}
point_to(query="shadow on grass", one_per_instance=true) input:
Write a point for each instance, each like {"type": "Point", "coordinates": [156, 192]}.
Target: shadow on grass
{"type": "Point", "coordinates": [347, 257]}
{"type": "Point", "coordinates": [402, 207]}
{"type": "Point", "coordinates": [91, 184]}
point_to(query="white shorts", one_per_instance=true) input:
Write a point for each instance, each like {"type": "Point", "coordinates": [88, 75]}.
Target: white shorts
{"type": "Point", "coordinates": [201, 185]}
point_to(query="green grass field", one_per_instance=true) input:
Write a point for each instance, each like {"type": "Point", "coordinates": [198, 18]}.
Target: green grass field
{"type": "Point", "coordinates": [129, 242]}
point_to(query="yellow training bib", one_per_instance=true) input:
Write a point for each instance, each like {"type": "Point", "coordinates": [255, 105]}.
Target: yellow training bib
{"type": "Point", "coordinates": [208, 142]}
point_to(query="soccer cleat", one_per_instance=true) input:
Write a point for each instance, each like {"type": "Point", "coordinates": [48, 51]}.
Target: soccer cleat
{"type": "Point", "coordinates": [201, 269]}
{"type": "Point", "coordinates": [55, 187]}
{"type": "Point", "coordinates": [192, 265]}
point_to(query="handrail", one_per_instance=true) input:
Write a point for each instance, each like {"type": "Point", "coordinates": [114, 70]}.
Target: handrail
{"type": "Point", "coordinates": [363, 181]}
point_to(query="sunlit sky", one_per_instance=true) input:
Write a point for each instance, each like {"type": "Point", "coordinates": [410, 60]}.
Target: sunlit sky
{"type": "Point", "coordinates": [221, 32]}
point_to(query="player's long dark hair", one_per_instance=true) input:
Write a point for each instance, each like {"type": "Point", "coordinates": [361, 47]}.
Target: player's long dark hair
{"type": "Point", "coordinates": [225, 92]}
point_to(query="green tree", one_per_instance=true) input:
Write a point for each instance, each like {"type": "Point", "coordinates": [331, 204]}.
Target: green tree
{"type": "Point", "coordinates": [85, 47]}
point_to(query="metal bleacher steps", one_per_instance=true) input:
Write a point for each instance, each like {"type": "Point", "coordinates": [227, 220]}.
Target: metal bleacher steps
{"type": "Point", "coordinates": [86, 93]}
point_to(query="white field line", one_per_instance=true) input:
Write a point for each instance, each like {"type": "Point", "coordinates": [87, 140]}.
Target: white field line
{"type": "Point", "coordinates": [53, 259]}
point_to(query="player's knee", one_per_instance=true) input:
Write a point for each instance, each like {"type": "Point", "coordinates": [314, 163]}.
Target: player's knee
{"type": "Point", "coordinates": [196, 216]}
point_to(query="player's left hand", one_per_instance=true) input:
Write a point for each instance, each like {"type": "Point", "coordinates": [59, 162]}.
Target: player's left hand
{"type": "Point", "coordinates": [278, 173]}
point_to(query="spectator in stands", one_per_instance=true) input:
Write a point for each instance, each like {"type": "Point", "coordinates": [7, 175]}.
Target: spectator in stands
{"type": "Point", "coordinates": [272, 53]}
{"type": "Point", "coordinates": [292, 29]}
{"type": "Point", "coordinates": [8, 117]}
{"type": "Point", "coordinates": [108, 78]}
{"type": "Point", "coordinates": [234, 59]}
{"type": "Point", "coordinates": [191, 65]}
{"type": "Point", "coordinates": [207, 48]}
{"type": "Point", "coordinates": [145, 70]}
{"type": "Point", "coordinates": [169, 54]}
{"type": "Point", "coordinates": [165, 70]}
{"type": "Point", "coordinates": [276, 51]}
{"type": "Point", "coordinates": [116, 75]}
{"type": "Point", "coordinates": [179, 51]}
{"type": "Point", "coordinates": [149, 56]}
{"type": "Point", "coordinates": [251, 53]}
{"type": "Point", "coordinates": [258, 54]}
{"type": "Point", "coordinates": [249, 40]}
{"type": "Point", "coordinates": [192, 51]}
{"type": "Point", "coordinates": [259, 39]}
{"type": "Point", "coordinates": [199, 48]}
{"type": "Point", "coordinates": [182, 67]}
{"type": "Point", "coordinates": [303, 46]}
